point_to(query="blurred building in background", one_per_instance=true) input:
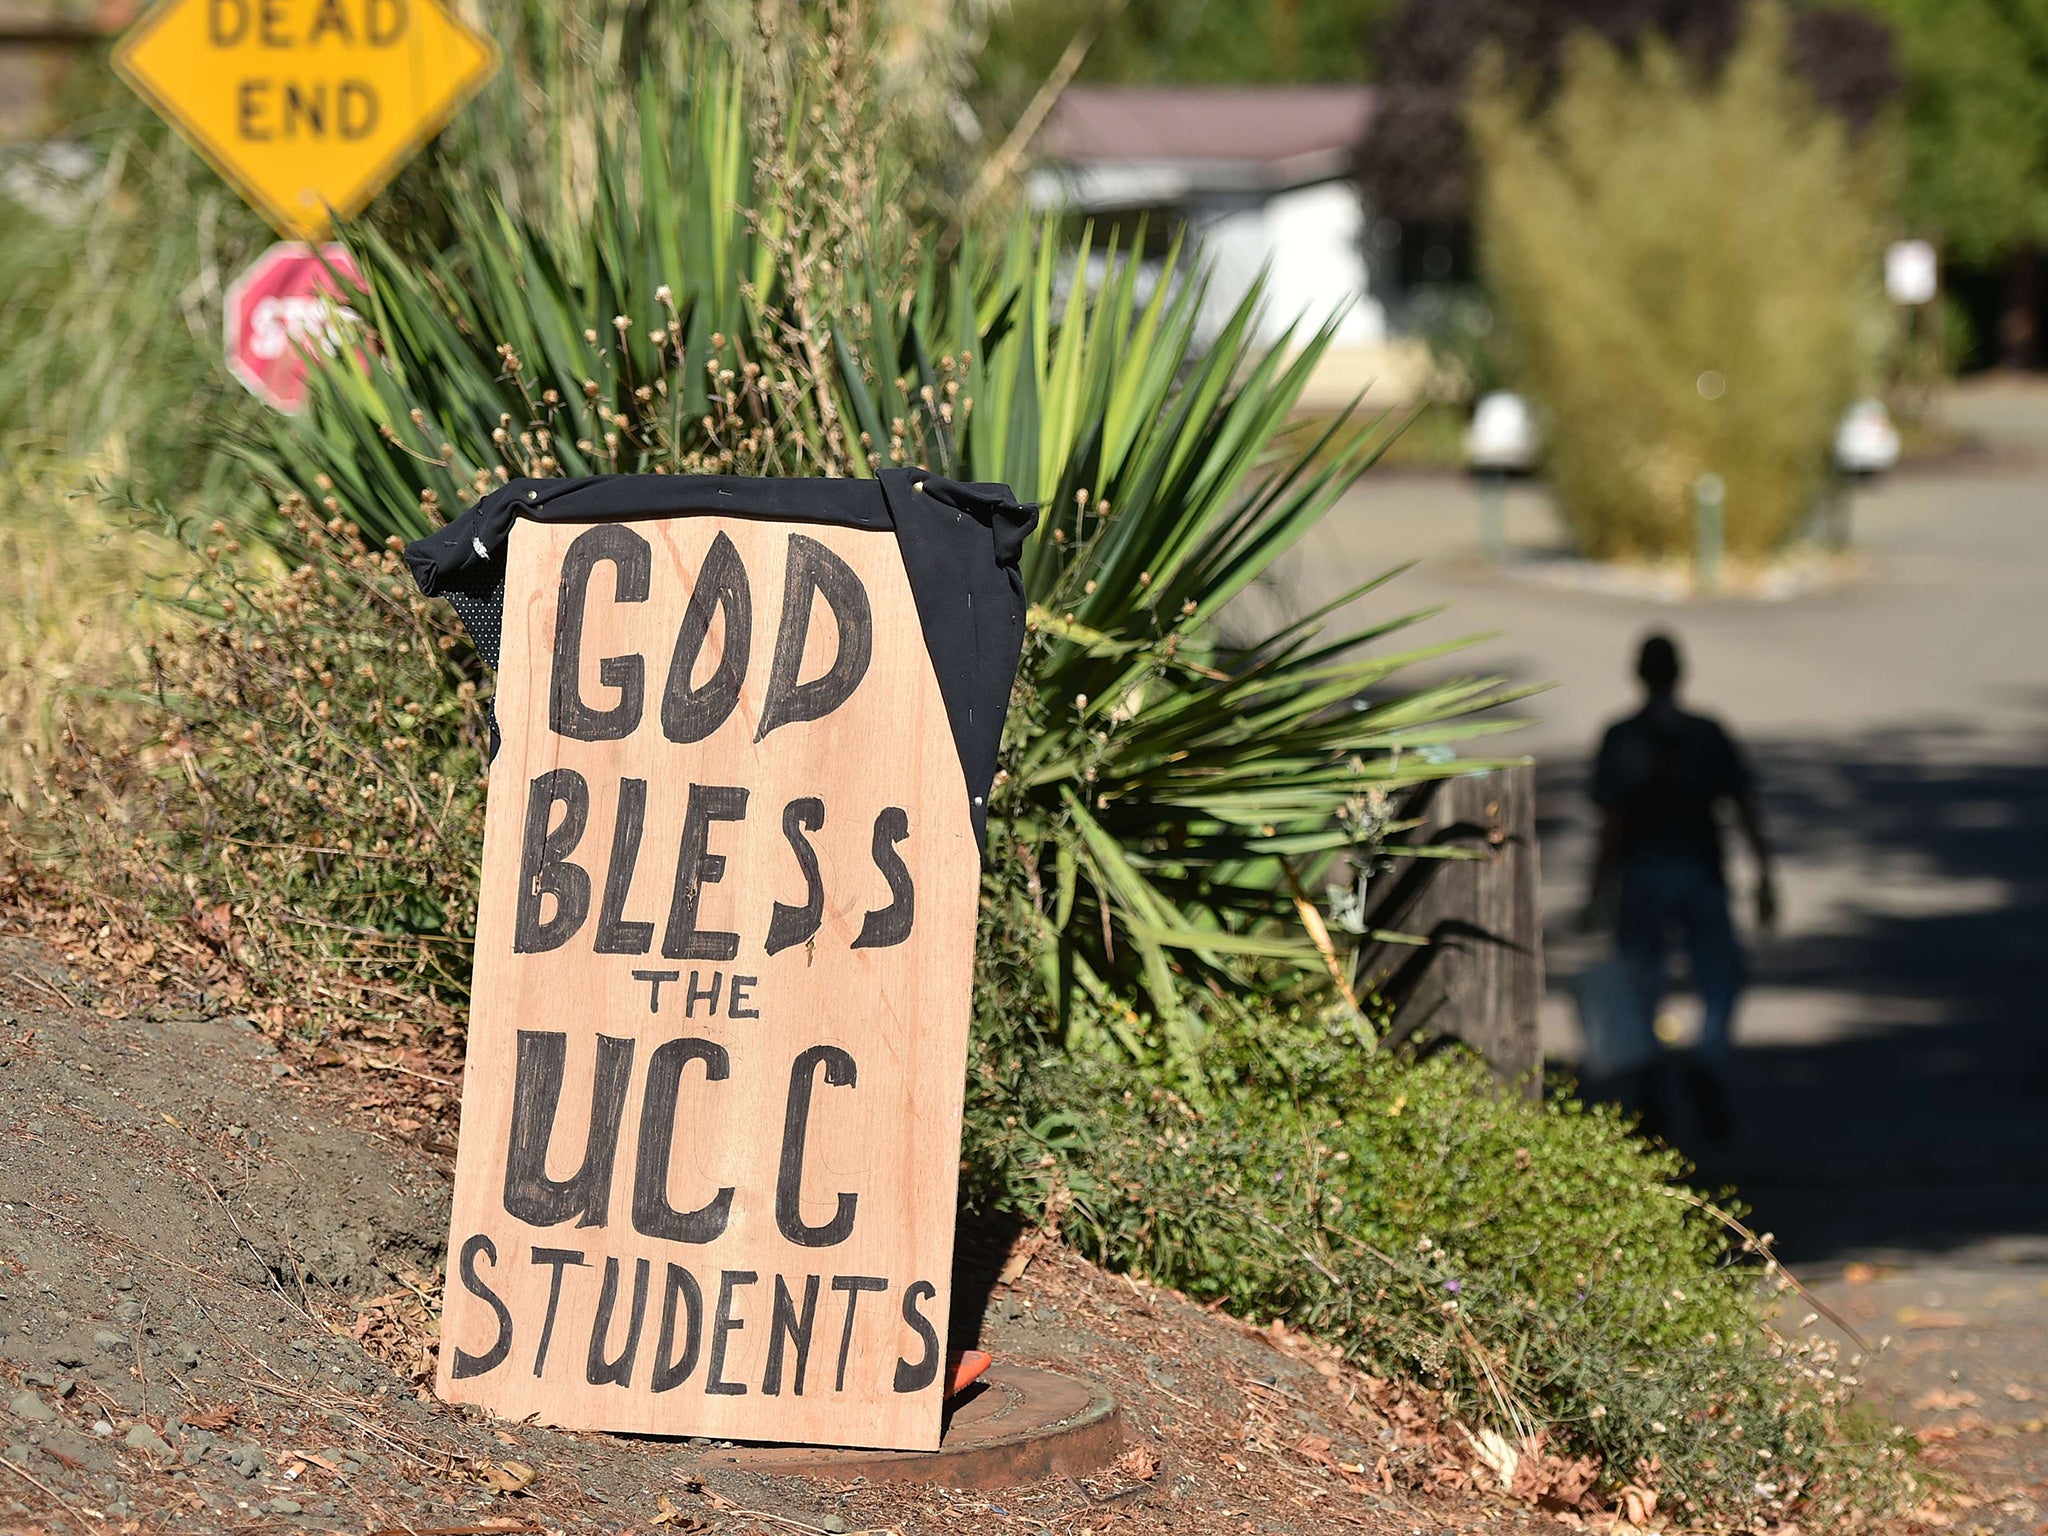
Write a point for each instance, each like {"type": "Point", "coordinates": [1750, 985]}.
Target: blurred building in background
{"type": "Point", "coordinates": [1259, 179]}
{"type": "Point", "coordinates": [39, 42]}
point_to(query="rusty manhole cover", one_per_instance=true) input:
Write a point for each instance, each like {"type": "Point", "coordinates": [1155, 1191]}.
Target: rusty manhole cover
{"type": "Point", "coordinates": [1016, 1425]}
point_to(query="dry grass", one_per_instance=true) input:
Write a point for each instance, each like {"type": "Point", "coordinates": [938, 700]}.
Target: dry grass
{"type": "Point", "coordinates": [82, 590]}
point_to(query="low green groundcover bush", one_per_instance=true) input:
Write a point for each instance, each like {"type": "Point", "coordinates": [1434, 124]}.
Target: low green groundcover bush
{"type": "Point", "coordinates": [1533, 1259]}
{"type": "Point", "coordinates": [1535, 1262]}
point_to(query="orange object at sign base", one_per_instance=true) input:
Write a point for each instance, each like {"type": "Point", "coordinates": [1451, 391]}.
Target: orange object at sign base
{"type": "Point", "coordinates": [963, 1368]}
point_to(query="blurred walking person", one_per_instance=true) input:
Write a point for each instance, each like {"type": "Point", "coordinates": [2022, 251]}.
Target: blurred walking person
{"type": "Point", "coordinates": [1662, 782]}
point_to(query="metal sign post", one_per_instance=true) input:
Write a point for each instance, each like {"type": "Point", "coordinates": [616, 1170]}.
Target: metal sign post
{"type": "Point", "coordinates": [1710, 533]}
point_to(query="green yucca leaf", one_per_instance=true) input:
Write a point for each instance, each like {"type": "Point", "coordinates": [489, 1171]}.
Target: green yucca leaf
{"type": "Point", "coordinates": [1163, 778]}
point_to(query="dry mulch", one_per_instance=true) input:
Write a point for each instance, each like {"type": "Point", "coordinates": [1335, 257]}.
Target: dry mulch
{"type": "Point", "coordinates": [219, 1277]}
{"type": "Point", "coordinates": [219, 1285]}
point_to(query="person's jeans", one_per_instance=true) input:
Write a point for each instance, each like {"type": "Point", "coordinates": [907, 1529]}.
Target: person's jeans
{"type": "Point", "coordinates": [1666, 902]}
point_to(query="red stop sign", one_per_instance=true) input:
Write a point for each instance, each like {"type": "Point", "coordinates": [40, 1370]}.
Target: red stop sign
{"type": "Point", "coordinates": [287, 303]}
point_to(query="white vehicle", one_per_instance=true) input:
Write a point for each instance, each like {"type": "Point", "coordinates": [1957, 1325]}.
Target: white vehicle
{"type": "Point", "coordinates": [1866, 443]}
{"type": "Point", "coordinates": [1503, 438]}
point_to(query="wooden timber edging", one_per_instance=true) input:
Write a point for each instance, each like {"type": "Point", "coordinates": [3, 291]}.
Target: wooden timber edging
{"type": "Point", "coordinates": [1478, 977]}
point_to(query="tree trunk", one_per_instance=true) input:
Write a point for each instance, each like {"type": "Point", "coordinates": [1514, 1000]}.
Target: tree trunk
{"type": "Point", "coordinates": [2019, 328]}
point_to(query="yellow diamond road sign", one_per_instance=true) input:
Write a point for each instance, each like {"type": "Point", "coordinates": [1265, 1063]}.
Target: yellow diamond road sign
{"type": "Point", "coordinates": [305, 105]}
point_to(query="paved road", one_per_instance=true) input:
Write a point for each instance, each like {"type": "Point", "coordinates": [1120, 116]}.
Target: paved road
{"type": "Point", "coordinates": [1893, 1086]}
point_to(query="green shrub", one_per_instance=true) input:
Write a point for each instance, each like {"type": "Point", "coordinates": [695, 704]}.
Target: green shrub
{"type": "Point", "coordinates": [1686, 271]}
{"type": "Point", "coordinates": [1533, 1260]}
{"type": "Point", "coordinates": [300, 777]}
{"type": "Point", "coordinates": [111, 315]}
{"type": "Point", "coordinates": [736, 296]}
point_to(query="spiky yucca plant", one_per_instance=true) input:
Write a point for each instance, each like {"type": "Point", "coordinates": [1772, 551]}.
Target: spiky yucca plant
{"type": "Point", "coordinates": [734, 293]}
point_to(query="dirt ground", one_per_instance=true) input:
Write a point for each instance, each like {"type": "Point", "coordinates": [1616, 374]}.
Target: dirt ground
{"type": "Point", "coordinates": [217, 1274]}
{"type": "Point", "coordinates": [219, 1269]}
{"type": "Point", "coordinates": [1966, 1369]}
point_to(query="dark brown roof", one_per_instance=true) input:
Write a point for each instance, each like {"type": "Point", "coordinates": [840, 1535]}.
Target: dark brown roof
{"type": "Point", "coordinates": [1252, 123]}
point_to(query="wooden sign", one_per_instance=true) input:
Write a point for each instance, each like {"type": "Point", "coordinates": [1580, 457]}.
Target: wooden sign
{"type": "Point", "coordinates": [710, 1121]}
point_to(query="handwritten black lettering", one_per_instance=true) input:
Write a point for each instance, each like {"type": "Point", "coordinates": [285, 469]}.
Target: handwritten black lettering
{"type": "Point", "coordinates": [615, 935]}
{"type": "Point", "coordinates": [568, 714]}
{"type": "Point", "coordinates": [670, 1369]}
{"type": "Point", "coordinates": [530, 1194]}
{"type": "Point", "coordinates": [890, 925]}
{"type": "Point", "coordinates": [690, 713]}
{"type": "Point", "coordinates": [558, 1259]}
{"type": "Point", "coordinates": [915, 1378]}
{"type": "Point", "coordinates": [618, 1371]}
{"type": "Point", "coordinates": [697, 867]}
{"type": "Point", "coordinates": [708, 996]}
{"type": "Point", "coordinates": [654, 979]}
{"type": "Point", "coordinates": [788, 1325]}
{"type": "Point", "coordinates": [840, 1072]}
{"type": "Point", "coordinates": [736, 998]}
{"type": "Point", "coordinates": [544, 867]}
{"type": "Point", "coordinates": [724, 1324]}
{"type": "Point", "coordinates": [653, 1216]}
{"type": "Point", "coordinates": [789, 925]}
{"type": "Point", "coordinates": [852, 1285]}
{"type": "Point", "coordinates": [811, 571]}
{"type": "Point", "coordinates": [466, 1364]}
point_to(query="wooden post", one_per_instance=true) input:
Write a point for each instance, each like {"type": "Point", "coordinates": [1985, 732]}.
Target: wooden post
{"type": "Point", "coordinates": [1479, 977]}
